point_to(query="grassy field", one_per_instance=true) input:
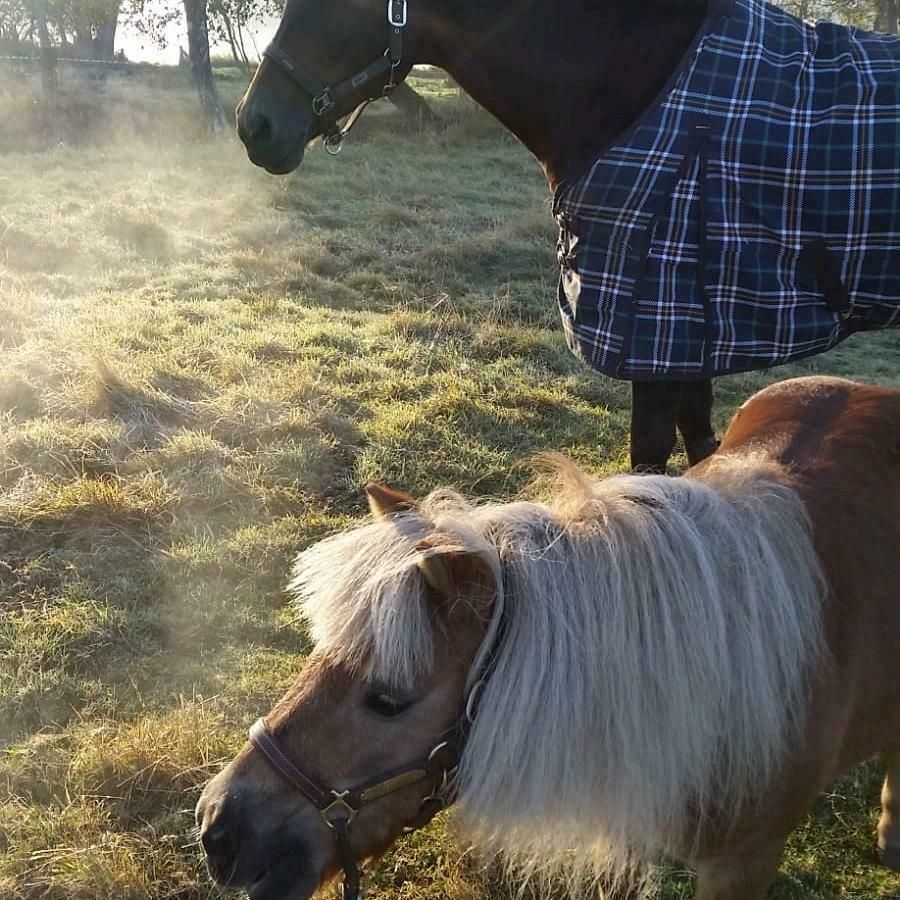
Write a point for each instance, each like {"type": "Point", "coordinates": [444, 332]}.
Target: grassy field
{"type": "Point", "coordinates": [201, 366]}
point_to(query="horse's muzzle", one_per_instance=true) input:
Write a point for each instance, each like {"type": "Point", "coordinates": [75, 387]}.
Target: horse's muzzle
{"type": "Point", "coordinates": [273, 123]}
{"type": "Point", "coordinates": [271, 146]}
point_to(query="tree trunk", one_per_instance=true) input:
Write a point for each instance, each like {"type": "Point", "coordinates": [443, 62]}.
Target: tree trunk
{"type": "Point", "coordinates": [201, 68]}
{"type": "Point", "coordinates": [236, 50]}
{"type": "Point", "coordinates": [412, 105]}
{"type": "Point", "coordinates": [239, 31]}
{"type": "Point", "coordinates": [106, 37]}
{"type": "Point", "coordinates": [83, 44]}
{"type": "Point", "coordinates": [48, 57]}
{"type": "Point", "coordinates": [892, 16]}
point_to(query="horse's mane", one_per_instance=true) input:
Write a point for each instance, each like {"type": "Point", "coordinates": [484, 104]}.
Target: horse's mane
{"type": "Point", "coordinates": [659, 638]}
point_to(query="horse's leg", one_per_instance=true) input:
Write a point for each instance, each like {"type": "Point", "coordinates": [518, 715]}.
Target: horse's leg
{"type": "Point", "coordinates": [741, 877]}
{"type": "Point", "coordinates": [654, 410]}
{"type": "Point", "coordinates": [694, 420]}
{"type": "Point", "coordinates": [889, 824]}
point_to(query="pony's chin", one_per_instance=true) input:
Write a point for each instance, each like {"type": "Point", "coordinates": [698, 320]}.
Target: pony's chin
{"type": "Point", "coordinates": [275, 884]}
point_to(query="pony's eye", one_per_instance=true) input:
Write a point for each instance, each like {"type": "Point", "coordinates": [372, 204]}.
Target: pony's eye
{"type": "Point", "coordinates": [385, 705]}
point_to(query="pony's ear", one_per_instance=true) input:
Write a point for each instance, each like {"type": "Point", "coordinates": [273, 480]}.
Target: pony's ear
{"type": "Point", "coordinates": [386, 501]}
{"type": "Point", "coordinates": [451, 573]}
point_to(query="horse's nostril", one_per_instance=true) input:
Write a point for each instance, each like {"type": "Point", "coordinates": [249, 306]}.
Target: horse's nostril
{"type": "Point", "coordinates": [263, 129]}
{"type": "Point", "coordinates": [217, 840]}
{"type": "Point", "coordinates": [256, 127]}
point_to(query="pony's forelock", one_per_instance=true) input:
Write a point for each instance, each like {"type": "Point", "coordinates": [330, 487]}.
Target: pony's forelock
{"type": "Point", "coordinates": [363, 599]}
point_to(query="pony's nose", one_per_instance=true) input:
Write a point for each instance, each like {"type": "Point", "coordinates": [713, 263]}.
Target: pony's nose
{"type": "Point", "coordinates": [219, 836]}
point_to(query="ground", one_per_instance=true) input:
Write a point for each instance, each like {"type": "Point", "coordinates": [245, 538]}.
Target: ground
{"type": "Point", "coordinates": [201, 367]}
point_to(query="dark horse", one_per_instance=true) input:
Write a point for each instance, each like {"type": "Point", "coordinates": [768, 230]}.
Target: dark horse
{"type": "Point", "coordinates": [567, 77]}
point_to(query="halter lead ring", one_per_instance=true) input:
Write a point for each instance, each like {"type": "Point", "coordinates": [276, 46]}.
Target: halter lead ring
{"type": "Point", "coordinates": [326, 98]}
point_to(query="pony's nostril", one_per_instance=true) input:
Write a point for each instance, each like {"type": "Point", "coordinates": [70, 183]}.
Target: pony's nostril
{"type": "Point", "coordinates": [219, 840]}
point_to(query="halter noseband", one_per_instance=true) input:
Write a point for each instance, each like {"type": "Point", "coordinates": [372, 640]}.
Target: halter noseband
{"type": "Point", "coordinates": [339, 808]}
{"type": "Point", "coordinates": [326, 98]}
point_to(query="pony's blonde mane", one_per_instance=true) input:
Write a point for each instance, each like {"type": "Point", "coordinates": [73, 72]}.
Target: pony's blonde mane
{"type": "Point", "coordinates": [659, 638]}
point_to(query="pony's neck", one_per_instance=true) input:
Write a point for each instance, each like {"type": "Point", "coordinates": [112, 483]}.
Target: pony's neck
{"type": "Point", "coordinates": [565, 76]}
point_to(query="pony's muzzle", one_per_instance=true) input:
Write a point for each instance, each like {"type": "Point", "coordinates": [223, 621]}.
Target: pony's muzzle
{"type": "Point", "coordinates": [219, 823]}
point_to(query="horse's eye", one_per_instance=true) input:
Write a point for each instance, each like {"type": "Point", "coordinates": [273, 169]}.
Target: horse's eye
{"type": "Point", "coordinates": [385, 705]}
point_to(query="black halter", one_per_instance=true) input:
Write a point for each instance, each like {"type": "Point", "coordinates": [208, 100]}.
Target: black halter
{"type": "Point", "coordinates": [327, 100]}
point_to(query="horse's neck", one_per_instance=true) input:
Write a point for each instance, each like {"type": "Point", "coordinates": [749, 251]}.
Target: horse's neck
{"type": "Point", "coordinates": [565, 76]}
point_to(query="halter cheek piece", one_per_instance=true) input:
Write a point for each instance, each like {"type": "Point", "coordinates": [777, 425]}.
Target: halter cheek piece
{"type": "Point", "coordinates": [327, 99]}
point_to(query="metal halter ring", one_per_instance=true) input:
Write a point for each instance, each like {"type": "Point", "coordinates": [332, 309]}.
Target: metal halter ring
{"type": "Point", "coordinates": [339, 803]}
{"type": "Point", "coordinates": [333, 143]}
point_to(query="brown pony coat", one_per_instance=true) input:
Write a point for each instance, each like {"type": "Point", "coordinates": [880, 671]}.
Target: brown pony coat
{"type": "Point", "coordinates": [839, 443]}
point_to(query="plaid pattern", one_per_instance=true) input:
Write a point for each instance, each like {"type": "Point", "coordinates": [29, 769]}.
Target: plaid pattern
{"type": "Point", "coordinates": [751, 216]}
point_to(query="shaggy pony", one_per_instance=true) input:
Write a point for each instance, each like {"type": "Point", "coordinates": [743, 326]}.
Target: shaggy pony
{"type": "Point", "coordinates": [659, 635]}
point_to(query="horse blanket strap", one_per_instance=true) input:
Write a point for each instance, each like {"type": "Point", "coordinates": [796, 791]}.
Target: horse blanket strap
{"type": "Point", "coordinates": [750, 216]}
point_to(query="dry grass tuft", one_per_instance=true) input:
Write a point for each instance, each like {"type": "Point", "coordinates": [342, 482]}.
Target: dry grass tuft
{"type": "Point", "coordinates": [142, 406]}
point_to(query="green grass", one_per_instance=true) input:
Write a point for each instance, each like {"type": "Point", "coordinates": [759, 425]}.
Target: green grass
{"type": "Point", "coordinates": [201, 366]}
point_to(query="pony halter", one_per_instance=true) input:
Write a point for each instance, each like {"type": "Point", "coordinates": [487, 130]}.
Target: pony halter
{"type": "Point", "coordinates": [326, 99]}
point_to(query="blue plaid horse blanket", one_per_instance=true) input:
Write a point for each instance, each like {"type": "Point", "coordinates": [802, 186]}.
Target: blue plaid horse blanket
{"type": "Point", "coordinates": [751, 216]}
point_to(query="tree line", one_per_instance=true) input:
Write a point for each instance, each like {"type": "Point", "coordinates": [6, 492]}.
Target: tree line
{"type": "Point", "coordinates": [877, 15]}
{"type": "Point", "coordinates": [87, 29]}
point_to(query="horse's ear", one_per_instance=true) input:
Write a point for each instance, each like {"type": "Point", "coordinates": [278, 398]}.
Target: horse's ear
{"type": "Point", "coordinates": [386, 501]}
{"type": "Point", "coordinates": [450, 573]}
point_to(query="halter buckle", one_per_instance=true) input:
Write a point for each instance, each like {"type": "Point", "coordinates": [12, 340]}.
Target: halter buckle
{"type": "Point", "coordinates": [396, 13]}
{"type": "Point", "coordinates": [339, 804]}
{"type": "Point", "coordinates": [322, 103]}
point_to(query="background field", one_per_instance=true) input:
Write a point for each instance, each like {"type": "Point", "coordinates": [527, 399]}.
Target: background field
{"type": "Point", "coordinates": [201, 366]}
